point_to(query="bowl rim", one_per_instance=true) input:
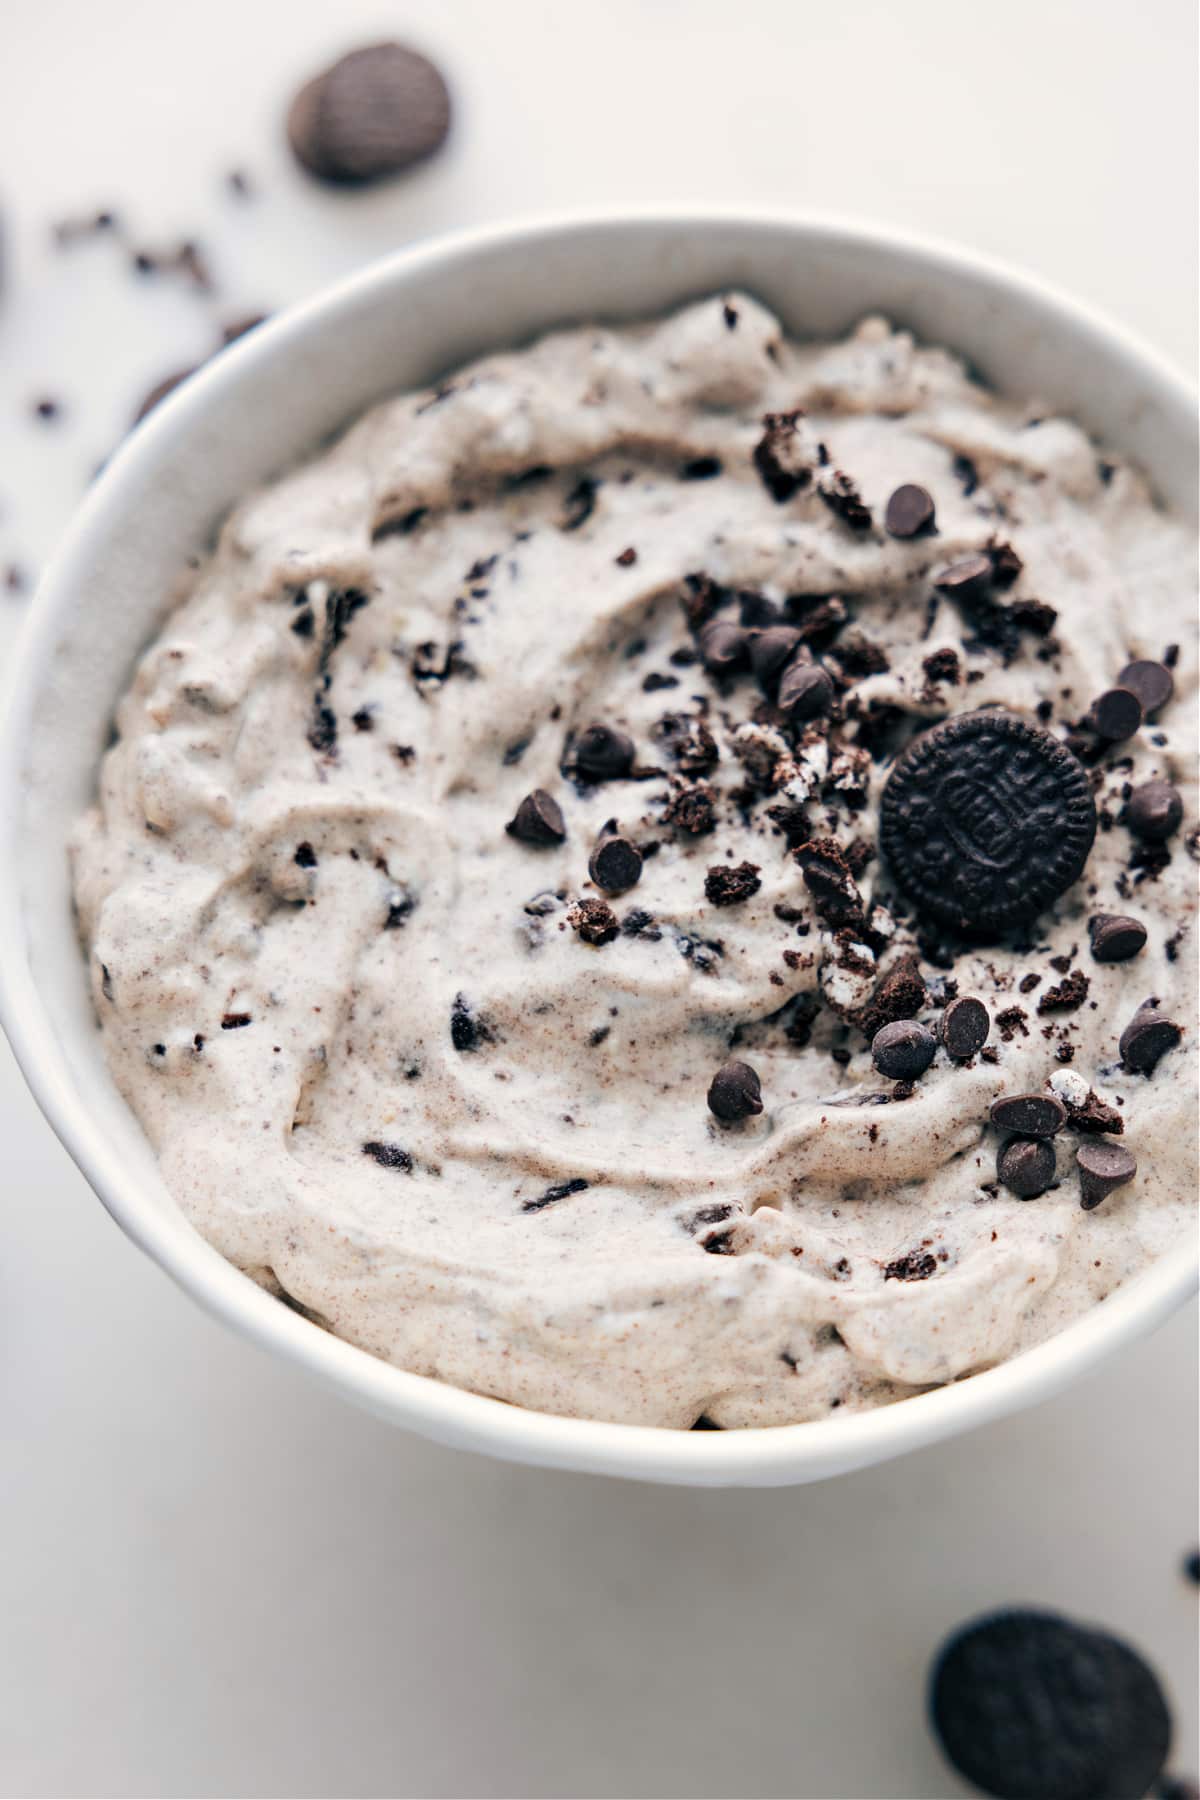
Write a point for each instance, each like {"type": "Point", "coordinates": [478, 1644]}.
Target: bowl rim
{"type": "Point", "coordinates": [801, 1452]}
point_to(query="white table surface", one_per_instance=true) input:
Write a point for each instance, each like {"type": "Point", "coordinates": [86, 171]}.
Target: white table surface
{"type": "Point", "coordinates": [215, 1580]}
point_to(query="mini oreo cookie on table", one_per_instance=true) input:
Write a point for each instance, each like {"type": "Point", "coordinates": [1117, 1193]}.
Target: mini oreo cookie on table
{"type": "Point", "coordinates": [985, 820]}
{"type": "Point", "coordinates": [1031, 1706]}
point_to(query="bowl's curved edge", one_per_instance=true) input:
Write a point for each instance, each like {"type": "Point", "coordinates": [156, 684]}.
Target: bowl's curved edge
{"type": "Point", "coordinates": [776, 1456]}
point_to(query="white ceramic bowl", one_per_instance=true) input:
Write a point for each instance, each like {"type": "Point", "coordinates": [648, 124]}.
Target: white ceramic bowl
{"type": "Point", "coordinates": [275, 395]}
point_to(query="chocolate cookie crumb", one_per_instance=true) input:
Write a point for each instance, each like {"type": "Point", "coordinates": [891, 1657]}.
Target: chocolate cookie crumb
{"type": "Point", "coordinates": [1067, 996]}
{"type": "Point", "coordinates": [843, 499]}
{"type": "Point", "coordinates": [727, 886]}
{"type": "Point", "coordinates": [560, 1190]}
{"type": "Point", "coordinates": [594, 920]}
{"type": "Point", "coordinates": [389, 1156]}
{"type": "Point", "coordinates": [915, 1265]}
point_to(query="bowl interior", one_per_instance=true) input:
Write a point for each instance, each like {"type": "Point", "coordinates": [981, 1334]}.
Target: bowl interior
{"type": "Point", "coordinates": [275, 396]}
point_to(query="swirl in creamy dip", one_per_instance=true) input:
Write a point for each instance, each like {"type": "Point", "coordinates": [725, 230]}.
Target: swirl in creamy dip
{"type": "Point", "coordinates": [395, 1062]}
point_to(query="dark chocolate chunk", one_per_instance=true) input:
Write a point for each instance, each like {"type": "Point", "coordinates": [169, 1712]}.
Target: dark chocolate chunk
{"type": "Point", "coordinates": [1029, 1706]}
{"type": "Point", "coordinates": [1029, 1115]}
{"type": "Point", "coordinates": [389, 1156]}
{"type": "Point", "coordinates": [770, 652]}
{"type": "Point", "coordinates": [726, 884]}
{"type": "Point", "coordinates": [234, 1021]}
{"type": "Point", "coordinates": [915, 1265]}
{"type": "Point", "coordinates": [689, 741]}
{"type": "Point", "coordinates": [374, 112]}
{"type": "Point", "coordinates": [560, 1190]}
{"type": "Point", "coordinates": [1115, 937]}
{"type": "Point", "coordinates": [1155, 811]}
{"type": "Point", "coordinates": [909, 511]}
{"type": "Point", "coordinates": [1147, 1038]}
{"type": "Point", "coordinates": [615, 864]}
{"type": "Point", "coordinates": [903, 1050]}
{"type": "Point", "coordinates": [1103, 1166]}
{"type": "Point", "coordinates": [594, 920]}
{"type": "Point", "coordinates": [843, 499]}
{"type": "Point", "coordinates": [805, 691]}
{"type": "Point", "coordinates": [1152, 682]}
{"type": "Point", "coordinates": [965, 1027]}
{"type": "Point", "coordinates": [627, 558]}
{"type": "Point", "coordinates": [723, 647]}
{"type": "Point", "coordinates": [734, 1093]}
{"type": "Point", "coordinates": [603, 753]}
{"type": "Point", "coordinates": [701, 468]}
{"type": "Point", "coordinates": [1117, 715]}
{"type": "Point", "coordinates": [986, 819]}
{"type": "Point", "coordinates": [538, 820]}
{"type": "Point", "coordinates": [1025, 1166]}
{"type": "Point", "coordinates": [305, 857]}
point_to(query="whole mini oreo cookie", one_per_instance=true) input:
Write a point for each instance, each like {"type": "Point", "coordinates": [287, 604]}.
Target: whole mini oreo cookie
{"type": "Point", "coordinates": [373, 113]}
{"type": "Point", "coordinates": [985, 820]}
{"type": "Point", "coordinates": [1029, 1706]}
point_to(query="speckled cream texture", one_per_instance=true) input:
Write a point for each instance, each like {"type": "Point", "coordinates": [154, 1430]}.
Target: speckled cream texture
{"type": "Point", "coordinates": [296, 877]}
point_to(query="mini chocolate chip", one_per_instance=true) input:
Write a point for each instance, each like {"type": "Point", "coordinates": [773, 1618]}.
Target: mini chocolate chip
{"type": "Point", "coordinates": [1103, 1166]}
{"type": "Point", "coordinates": [1029, 1115]}
{"type": "Point", "coordinates": [615, 864]}
{"type": "Point", "coordinates": [909, 511]}
{"type": "Point", "coordinates": [1155, 811]}
{"type": "Point", "coordinates": [1152, 682]}
{"type": "Point", "coordinates": [627, 558]}
{"type": "Point", "coordinates": [903, 1050]}
{"type": "Point", "coordinates": [1025, 1166]}
{"type": "Point", "coordinates": [234, 1021]}
{"type": "Point", "coordinates": [770, 652]}
{"type": "Point", "coordinates": [700, 468]}
{"type": "Point", "coordinates": [1115, 937]}
{"type": "Point", "coordinates": [538, 820]}
{"type": "Point", "coordinates": [965, 1026]}
{"type": "Point", "coordinates": [305, 857]}
{"type": "Point", "coordinates": [1117, 714]}
{"type": "Point", "coordinates": [734, 1093]}
{"type": "Point", "coordinates": [968, 578]}
{"type": "Point", "coordinates": [1147, 1038]}
{"type": "Point", "coordinates": [805, 691]}
{"type": "Point", "coordinates": [603, 753]}
{"type": "Point", "coordinates": [723, 647]}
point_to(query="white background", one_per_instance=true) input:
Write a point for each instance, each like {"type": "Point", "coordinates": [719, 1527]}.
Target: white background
{"type": "Point", "coordinates": [213, 1579]}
